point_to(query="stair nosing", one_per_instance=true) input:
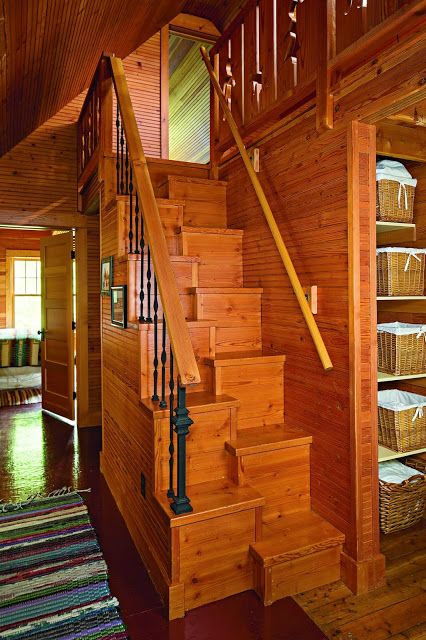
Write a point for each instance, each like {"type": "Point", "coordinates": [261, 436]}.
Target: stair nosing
{"type": "Point", "coordinates": [219, 402]}
{"type": "Point", "coordinates": [212, 230]}
{"type": "Point", "coordinates": [243, 359]}
{"type": "Point", "coordinates": [253, 499]}
{"type": "Point", "coordinates": [225, 290]}
{"type": "Point", "coordinates": [251, 449]}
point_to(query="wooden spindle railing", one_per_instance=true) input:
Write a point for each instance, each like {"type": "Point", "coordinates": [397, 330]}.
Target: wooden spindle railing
{"type": "Point", "coordinates": [282, 249]}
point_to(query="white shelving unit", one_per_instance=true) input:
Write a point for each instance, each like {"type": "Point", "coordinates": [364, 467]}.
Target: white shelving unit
{"type": "Point", "coordinates": [388, 454]}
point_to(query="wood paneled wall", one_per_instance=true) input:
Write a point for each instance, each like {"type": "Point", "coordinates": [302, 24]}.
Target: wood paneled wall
{"type": "Point", "coordinates": [14, 239]}
{"type": "Point", "coordinates": [125, 426]}
{"type": "Point", "coordinates": [305, 177]}
{"type": "Point", "coordinates": [189, 114]}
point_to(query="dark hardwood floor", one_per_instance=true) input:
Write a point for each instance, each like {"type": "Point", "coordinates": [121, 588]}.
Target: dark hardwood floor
{"type": "Point", "coordinates": [39, 454]}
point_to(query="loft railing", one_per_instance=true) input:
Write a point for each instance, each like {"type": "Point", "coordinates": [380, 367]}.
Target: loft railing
{"type": "Point", "coordinates": [278, 55]}
{"type": "Point", "coordinates": [291, 272]}
{"type": "Point", "coordinates": [174, 363]}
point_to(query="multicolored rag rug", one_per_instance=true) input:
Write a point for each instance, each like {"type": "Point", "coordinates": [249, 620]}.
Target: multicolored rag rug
{"type": "Point", "coordinates": [53, 578]}
{"type": "Point", "coordinates": [14, 397]}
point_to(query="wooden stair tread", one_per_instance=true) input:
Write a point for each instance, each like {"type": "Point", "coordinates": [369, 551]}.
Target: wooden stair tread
{"type": "Point", "coordinates": [211, 500]}
{"type": "Point", "coordinates": [225, 290]}
{"type": "Point", "coordinates": [234, 358]}
{"type": "Point", "coordinates": [137, 256]}
{"type": "Point", "coordinates": [201, 401]}
{"type": "Point", "coordinates": [170, 202]}
{"type": "Point", "coordinates": [206, 181]}
{"type": "Point", "coordinates": [266, 438]}
{"type": "Point", "coordinates": [294, 536]}
{"type": "Point", "coordinates": [217, 230]}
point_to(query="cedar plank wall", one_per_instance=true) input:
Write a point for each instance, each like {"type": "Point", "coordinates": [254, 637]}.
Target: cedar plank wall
{"type": "Point", "coordinates": [127, 439]}
{"type": "Point", "coordinates": [305, 177]}
{"type": "Point", "coordinates": [13, 239]}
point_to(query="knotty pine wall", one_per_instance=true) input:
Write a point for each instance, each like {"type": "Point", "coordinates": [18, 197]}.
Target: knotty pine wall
{"type": "Point", "coordinates": [14, 239]}
{"type": "Point", "coordinates": [305, 177]}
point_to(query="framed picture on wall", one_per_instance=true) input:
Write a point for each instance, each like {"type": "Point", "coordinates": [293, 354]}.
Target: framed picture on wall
{"type": "Point", "coordinates": [119, 306]}
{"type": "Point", "coordinates": [106, 276]}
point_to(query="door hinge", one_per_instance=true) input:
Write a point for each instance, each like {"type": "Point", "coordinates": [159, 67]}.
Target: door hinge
{"type": "Point", "coordinates": [72, 254]}
{"type": "Point", "coordinates": [74, 395]}
{"type": "Point", "coordinates": [73, 325]}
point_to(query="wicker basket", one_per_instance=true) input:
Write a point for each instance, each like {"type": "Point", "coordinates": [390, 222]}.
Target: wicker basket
{"type": "Point", "coordinates": [417, 462]}
{"type": "Point", "coordinates": [390, 206]}
{"type": "Point", "coordinates": [402, 420]}
{"type": "Point", "coordinates": [401, 505]}
{"type": "Point", "coordinates": [400, 272]}
{"type": "Point", "coordinates": [403, 354]}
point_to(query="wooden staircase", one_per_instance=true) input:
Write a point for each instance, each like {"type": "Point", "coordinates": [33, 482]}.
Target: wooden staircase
{"type": "Point", "coordinates": [247, 471]}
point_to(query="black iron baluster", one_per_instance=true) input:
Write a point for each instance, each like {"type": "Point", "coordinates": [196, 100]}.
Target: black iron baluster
{"type": "Point", "coordinates": [142, 291]}
{"type": "Point", "coordinates": [122, 160]}
{"type": "Point", "coordinates": [148, 287]}
{"type": "Point", "coordinates": [136, 222]}
{"type": "Point", "coordinates": [170, 492]}
{"type": "Point", "coordinates": [117, 161]}
{"type": "Point", "coordinates": [131, 211]}
{"type": "Point", "coordinates": [163, 403]}
{"type": "Point", "coordinates": [181, 422]}
{"type": "Point", "coordinates": [127, 170]}
{"type": "Point", "coordinates": [155, 397]}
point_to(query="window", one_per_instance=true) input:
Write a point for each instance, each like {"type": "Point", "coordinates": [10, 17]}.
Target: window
{"type": "Point", "coordinates": [24, 299]}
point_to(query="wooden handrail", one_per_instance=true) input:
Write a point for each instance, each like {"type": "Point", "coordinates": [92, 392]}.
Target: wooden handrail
{"type": "Point", "coordinates": [176, 324]}
{"type": "Point", "coordinates": [291, 272]}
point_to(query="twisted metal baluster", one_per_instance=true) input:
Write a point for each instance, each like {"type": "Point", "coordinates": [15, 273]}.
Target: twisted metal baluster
{"type": "Point", "coordinates": [142, 291]}
{"type": "Point", "coordinates": [122, 160]}
{"type": "Point", "coordinates": [127, 170]}
{"type": "Point", "coordinates": [170, 492]}
{"type": "Point", "coordinates": [148, 287]}
{"type": "Point", "coordinates": [117, 161]}
{"type": "Point", "coordinates": [131, 211]}
{"type": "Point", "coordinates": [163, 404]}
{"type": "Point", "coordinates": [155, 397]}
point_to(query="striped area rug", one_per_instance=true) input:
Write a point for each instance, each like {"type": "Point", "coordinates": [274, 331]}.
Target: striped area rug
{"type": "Point", "coordinates": [15, 397]}
{"type": "Point", "coordinates": [53, 578]}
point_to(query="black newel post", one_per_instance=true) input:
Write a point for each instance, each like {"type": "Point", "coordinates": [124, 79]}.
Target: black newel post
{"type": "Point", "coordinates": [182, 422]}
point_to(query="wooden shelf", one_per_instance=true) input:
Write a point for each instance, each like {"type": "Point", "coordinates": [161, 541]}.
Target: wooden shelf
{"type": "Point", "coordinates": [386, 227]}
{"type": "Point", "coordinates": [388, 377]}
{"type": "Point", "coordinates": [399, 298]}
{"type": "Point", "coordinates": [388, 454]}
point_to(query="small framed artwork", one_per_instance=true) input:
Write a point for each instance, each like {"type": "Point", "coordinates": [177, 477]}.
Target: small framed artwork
{"type": "Point", "coordinates": [119, 306]}
{"type": "Point", "coordinates": [106, 276]}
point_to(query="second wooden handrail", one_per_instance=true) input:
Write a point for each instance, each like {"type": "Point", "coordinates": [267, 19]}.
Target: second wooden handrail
{"type": "Point", "coordinates": [288, 264]}
{"type": "Point", "coordinates": [176, 324]}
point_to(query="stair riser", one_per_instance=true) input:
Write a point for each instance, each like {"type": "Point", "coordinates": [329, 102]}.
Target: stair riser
{"type": "Point", "coordinates": [201, 338]}
{"type": "Point", "coordinates": [295, 576]}
{"type": "Point", "coordinates": [213, 561]}
{"type": "Point", "coordinates": [206, 456]}
{"type": "Point", "coordinates": [205, 204]}
{"type": "Point", "coordinates": [186, 274]}
{"type": "Point", "coordinates": [171, 215]}
{"type": "Point", "coordinates": [259, 388]}
{"type": "Point", "coordinates": [221, 257]}
{"type": "Point", "coordinates": [282, 476]}
{"type": "Point", "coordinates": [235, 308]}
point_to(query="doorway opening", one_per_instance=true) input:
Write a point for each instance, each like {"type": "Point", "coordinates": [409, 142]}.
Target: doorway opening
{"type": "Point", "coordinates": [189, 101]}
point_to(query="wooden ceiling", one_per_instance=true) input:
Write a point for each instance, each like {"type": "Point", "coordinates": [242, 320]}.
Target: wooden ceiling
{"type": "Point", "coordinates": [220, 12]}
{"type": "Point", "coordinates": [49, 50]}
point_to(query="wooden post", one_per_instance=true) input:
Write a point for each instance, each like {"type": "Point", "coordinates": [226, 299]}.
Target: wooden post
{"type": "Point", "coordinates": [291, 272]}
{"type": "Point", "coordinates": [106, 114]}
{"type": "Point", "coordinates": [164, 90]}
{"type": "Point", "coordinates": [214, 123]}
{"type": "Point", "coordinates": [327, 28]}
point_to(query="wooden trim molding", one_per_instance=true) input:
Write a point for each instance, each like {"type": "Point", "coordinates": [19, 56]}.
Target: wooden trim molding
{"type": "Point", "coordinates": [164, 91]}
{"type": "Point", "coordinates": [362, 543]}
{"type": "Point", "coordinates": [194, 27]}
